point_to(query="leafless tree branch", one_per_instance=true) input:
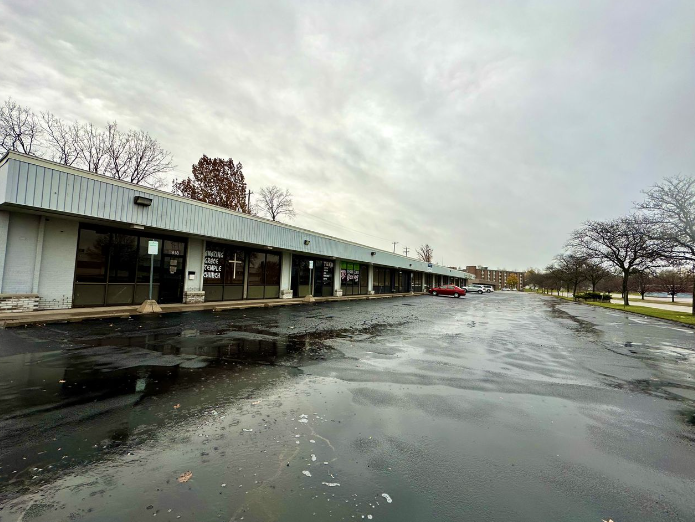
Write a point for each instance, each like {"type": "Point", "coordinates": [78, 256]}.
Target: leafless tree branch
{"type": "Point", "coordinates": [20, 128]}
{"type": "Point", "coordinates": [275, 203]}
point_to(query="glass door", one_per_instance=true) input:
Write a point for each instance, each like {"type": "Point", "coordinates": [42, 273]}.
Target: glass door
{"type": "Point", "coordinates": [171, 275]}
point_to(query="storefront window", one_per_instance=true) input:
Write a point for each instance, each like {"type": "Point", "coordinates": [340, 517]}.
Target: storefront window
{"type": "Point", "coordinates": [234, 267]}
{"type": "Point", "coordinates": [382, 280]}
{"type": "Point", "coordinates": [143, 270]}
{"type": "Point", "coordinates": [272, 270]}
{"type": "Point", "coordinates": [323, 278]}
{"type": "Point", "coordinates": [264, 275]}
{"type": "Point", "coordinates": [213, 264]}
{"type": "Point", "coordinates": [256, 269]}
{"type": "Point", "coordinates": [92, 256]}
{"type": "Point", "coordinates": [124, 254]}
{"type": "Point", "coordinates": [223, 272]}
{"type": "Point", "coordinates": [113, 268]}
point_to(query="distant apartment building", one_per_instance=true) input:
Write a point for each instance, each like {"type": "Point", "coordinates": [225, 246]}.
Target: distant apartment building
{"type": "Point", "coordinates": [496, 278]}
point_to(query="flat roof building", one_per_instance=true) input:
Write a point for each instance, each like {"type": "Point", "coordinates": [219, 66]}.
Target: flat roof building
{"type": "Point", "coordinates": [495, 277]}
{"type": "Point", "coordinates": [71, 238]}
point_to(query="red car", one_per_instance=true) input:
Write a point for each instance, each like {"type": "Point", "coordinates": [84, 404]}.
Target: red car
{"type": "Point", "coordinates": [454, 290]}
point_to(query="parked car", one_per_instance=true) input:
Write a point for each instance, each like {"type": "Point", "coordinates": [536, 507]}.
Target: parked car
{"type": "Point", "coordinates": [454, 290]}
{"type": "Point", "coordinates": [475, 289]}
{"type": "Point", "coordinates": [488, 289]}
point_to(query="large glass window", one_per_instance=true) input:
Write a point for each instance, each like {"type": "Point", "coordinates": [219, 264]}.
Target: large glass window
{"type": "Point", "coordinates": [234, 266]}
{"type": "Point", "coordinates": [143, 270]}
{"type": "Point", "coordinates": [124, 254]}
{"type": "Point", "coordinates": [256, 269]}
{"type": "Point", "coordinates": [301, 275]}
{"type": "Point", "coordinates": [223, 272]}
{"type": "Point", "coordinates": [272, 270]}
{"type": "Point", "coordinates": [417, 282]}
{"type": "Point", "coordinates": [264, 275]}
{"type": "Point", "coordinates": [350, 278]}
{"type": "Point", "coordinates": [113, 268]}
{"type": "Point", "coordinates": [382, 280]}
{"type": "Point", "coordinates": [323, 278]}
{"type": "Point", "coordinates": [92, 256]}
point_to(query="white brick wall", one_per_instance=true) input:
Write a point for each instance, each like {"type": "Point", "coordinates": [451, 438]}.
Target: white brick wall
{"type": "Point", "coordinates": [57, 263]}
{"type": "Point", "coordinates": [20, 255]}
{"type": "Point", "coordinates": [18, 302]}
{"type": "Point", "coordinates": [56, 272]}
{"type": "Point", "coordinates": [192, 296]}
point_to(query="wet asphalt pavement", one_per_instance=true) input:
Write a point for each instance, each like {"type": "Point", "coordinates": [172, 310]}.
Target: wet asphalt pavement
{"type": "Point", "coordinates": [502, 407]}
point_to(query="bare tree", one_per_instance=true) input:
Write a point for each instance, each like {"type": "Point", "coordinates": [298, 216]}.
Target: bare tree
{"type": "Point", "coordinates": [594, 272]}
{"type": "Point", "coordinates": [92, 148]}
{"type": "Point", "coordinates": [673, 282]}
{"type": "Point", "coordinates": [641, 280]}
{"type": "Point", "coordinates": [555, 278]}
{"type": "Point", "coordinates": [147, 159]}
{"type": "Point", "coordinates": [425, 253]}
{"type": "Point", "coordinates": [671, 207]}
{"type": "Point", "coordinates": [134, 156]}
{"type": "Point", "coordinates": [117, 154]}
{"type": "Point", "coordinates": [572, 267]}
{"type": "Point", "coordinates": [276, 203]}
{"type": "Point", "coordinates": [20, 128]}
{"type": "Point", "coordinates": [626, 243]}
{"type": "Point", "coordinates": [61, 139]}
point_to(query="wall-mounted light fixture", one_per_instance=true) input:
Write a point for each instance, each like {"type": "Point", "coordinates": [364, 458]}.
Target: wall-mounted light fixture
{"type": "Point", "coordinates": [307, 242]}
{"type": "Point", "coordinates": [137, 227]}
{"type": "Point", "coordinates": [373, 253]}
{"type": "Point", "coordinates": [142, 200]}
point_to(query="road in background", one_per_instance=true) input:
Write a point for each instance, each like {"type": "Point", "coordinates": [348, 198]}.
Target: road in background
{"type": "Point", "coordinates": [505, 406]}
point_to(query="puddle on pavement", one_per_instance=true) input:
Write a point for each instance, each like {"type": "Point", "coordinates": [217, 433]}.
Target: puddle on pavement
{"type": "Point", "coordinates": [116, 390]}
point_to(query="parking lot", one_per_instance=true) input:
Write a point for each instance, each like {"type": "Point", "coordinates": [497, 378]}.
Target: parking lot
{"type": "Point", "coordinates": [500, 407]}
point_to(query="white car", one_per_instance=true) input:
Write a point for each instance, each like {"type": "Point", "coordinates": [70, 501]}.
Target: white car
{"type": "Point", "coordinates": [488, 289]}
{"type": "Point", "coordinates": [474, 289]}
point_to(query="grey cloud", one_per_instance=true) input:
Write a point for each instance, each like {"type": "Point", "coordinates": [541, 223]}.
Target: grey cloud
{"type": "Point", "coordinates": [488, 129]}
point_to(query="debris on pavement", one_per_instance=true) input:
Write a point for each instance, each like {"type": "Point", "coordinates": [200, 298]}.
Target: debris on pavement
{"type": "Point", "coordinates": [185, 476]}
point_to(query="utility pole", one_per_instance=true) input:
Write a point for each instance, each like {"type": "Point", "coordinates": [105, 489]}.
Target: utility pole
{"type": "Point", "coordinates": [248, 205]}
{"type": "Point", "coordinates": [406, 250]}
{"type": "Point", "coordinates": [394, 246]}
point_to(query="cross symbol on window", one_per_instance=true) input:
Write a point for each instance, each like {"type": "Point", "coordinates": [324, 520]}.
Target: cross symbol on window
{"type": "Point", "coordinates": [234, 263]}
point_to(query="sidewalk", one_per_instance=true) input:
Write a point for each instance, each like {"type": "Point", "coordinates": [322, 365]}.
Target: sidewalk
{"type": "Point", "coordinates": [649, 303]}
{"type": "Point", "coordinates": [71, 315]}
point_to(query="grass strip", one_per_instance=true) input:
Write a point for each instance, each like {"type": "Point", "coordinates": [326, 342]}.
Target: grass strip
{"type": "Point", "coordinates": [658, 313]}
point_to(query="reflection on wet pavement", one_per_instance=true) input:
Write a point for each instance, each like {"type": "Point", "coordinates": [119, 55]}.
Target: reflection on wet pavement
{"type": "Point", "coordinates": [499, 407]}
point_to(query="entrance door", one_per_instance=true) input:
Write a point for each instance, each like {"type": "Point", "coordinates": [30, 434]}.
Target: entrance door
{"type": "Point", "coordinates": [171, 280]}
{"type": "Point", "coordinates": [323, 278]}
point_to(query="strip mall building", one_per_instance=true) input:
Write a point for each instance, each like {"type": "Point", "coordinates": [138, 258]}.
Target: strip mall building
{"type": "Point", "coordinates": [71, 238]}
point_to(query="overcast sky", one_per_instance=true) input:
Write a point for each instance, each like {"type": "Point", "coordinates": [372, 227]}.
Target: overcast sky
{"type": "Point", "coordinates": [487, 129]}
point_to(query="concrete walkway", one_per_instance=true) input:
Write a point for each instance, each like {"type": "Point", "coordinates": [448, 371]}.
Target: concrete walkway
{"type": "Point", "coordinates": [636, 301]}
{"type": "Point", "coordinates": [681, 305]}
{"type": "Point", "coordinates": [71, 315]}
